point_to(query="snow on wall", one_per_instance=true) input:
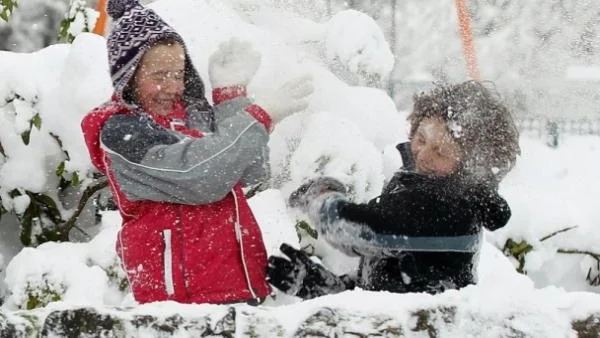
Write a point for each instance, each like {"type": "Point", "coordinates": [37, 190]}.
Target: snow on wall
{"type": "Point", "coordinates": [353, 128]}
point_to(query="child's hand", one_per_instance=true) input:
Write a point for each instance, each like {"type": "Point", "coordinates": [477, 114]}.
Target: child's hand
{"type": "Point", "coordinates": [312, 189]}
{"type": "Point", "coordinates": [234, 63]}
{"type": "Point", "coordinates": [300, 276]}
{"type": "Point", "coordinates": [291, 97]}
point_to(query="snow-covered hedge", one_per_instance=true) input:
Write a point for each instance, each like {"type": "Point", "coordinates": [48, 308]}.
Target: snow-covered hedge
{"type": "Point", "coordinates": [473, 313]}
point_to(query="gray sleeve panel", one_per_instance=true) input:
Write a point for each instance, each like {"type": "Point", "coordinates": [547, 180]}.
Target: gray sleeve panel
{"type": "Point", "coordinates": [258, 171]}
{"type": "Point", "coordinates": [194, 170]}
{"type": "Point", "coordinates": [356, 239]}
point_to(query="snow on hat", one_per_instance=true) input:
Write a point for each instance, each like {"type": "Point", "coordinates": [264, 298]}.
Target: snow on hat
{"type": "Point", "coordinates": [136, 28]}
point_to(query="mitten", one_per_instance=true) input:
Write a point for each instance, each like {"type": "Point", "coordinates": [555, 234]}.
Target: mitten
{"type": "Point", "coordinates": [300, 276]}
{"type": "Point", "coordinates": [312, 189]}
{"type": "Point", "coordinates": [287, 99]}
{"type": "Point", "coordinates": [234, 63]}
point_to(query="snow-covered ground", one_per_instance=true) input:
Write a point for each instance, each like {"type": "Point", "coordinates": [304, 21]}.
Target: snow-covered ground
{"type": "Point", "coordinates": [348, 132]}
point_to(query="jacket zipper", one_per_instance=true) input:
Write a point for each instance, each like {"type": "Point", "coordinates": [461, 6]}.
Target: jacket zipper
{"type": "Point", "coordinates": [182, 260]}
{"type": "Point", "coordinates": [168, 263]}
{"type": "Point", "coordinates": [239, 237]}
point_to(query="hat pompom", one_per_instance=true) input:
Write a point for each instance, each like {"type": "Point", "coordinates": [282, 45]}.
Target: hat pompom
{"type": "Point", "coordinates": [116, 8]}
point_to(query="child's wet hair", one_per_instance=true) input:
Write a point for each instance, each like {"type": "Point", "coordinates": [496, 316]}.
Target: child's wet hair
{"type": "Point", "coordinates": [479, 122]}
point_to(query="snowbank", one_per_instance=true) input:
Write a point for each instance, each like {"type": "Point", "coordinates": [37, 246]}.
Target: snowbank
{"type": "Point", "coordinates": [473, 312]}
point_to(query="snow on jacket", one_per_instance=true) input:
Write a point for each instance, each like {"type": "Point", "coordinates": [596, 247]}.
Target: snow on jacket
{"type": "Point", "coordinates": [188, 233]}
{"type": "Point", "coordinates": [422, 234]}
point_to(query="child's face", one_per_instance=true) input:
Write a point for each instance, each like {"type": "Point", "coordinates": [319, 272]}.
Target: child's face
{"type": "Point", "coordinates": [159, 79]}
{"type": "Point", "coordinates": [434, 149]}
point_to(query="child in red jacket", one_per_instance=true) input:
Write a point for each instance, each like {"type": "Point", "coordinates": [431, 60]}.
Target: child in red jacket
{"type": "Point", "coordinates": [176, 165]}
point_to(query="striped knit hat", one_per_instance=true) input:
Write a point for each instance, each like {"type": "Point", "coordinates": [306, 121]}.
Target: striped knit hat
{"type": "Point", "coordinates": [135, 29]}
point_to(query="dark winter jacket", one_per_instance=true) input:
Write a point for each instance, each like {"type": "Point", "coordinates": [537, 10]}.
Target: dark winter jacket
{"type": "Point", "coordinates": [188, 233]}
{"type": "Point", "coordinates": [423, 234]}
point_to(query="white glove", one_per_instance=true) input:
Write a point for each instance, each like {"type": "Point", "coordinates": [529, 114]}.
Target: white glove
{"type": "Point", "coordinates": [287, 99]}
{"type": "Point", "coordinates": [234, 63]}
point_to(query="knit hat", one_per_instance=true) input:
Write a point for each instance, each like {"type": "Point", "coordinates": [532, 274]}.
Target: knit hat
{"type": "Point", "coordinates": [135, 29]}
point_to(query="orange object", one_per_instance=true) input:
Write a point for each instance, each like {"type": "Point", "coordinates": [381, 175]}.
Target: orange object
{"type": "Point", "coordinates": [464, 22]}
{"type": "Point", "coordinates": [101, 22]}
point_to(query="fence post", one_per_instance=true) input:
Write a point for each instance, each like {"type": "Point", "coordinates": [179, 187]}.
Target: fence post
{"type": "Point", "coordinates": [553, 134]}
{"type": "Point", "coordinates": [464, 23]}
{"type": "Point", "coordinates": [101, 22]}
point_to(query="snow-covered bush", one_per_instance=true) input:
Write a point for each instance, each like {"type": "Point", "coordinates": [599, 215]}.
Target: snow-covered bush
{"type": "Point", "coordinates": [45, 175]}
{"type": "Point", "coordinates": [79, 18]}
{"type": "Point", "coordinates": [26, 26]}
{"type": "Point", "coordinates": [67, 272]}
{"type": "Point", "coordinates": [553, 232]}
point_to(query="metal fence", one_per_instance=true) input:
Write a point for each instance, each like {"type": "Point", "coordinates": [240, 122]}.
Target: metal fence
{"type": "Point", "coordinates": [542, 126]}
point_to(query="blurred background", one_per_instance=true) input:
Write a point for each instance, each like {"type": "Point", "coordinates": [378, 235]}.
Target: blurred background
{"type": "Point", "coordinates": [542, 55]}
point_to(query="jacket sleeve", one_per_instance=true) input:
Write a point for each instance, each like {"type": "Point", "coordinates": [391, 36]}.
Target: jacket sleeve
{"type": "Point", "coordinates": [392, 223]}
{"type": "Point", "coordinates": [258, 168]}
{"type": "Point", "coordinates": [350, 237]}
{"type": "Point", "coordinates": [258, 171]}
{"type": "Point", "coordinates": [153, 163]}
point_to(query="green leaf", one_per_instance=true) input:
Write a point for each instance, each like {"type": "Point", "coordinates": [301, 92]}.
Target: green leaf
{"type": "Point", "coordinates": [60, 169]}
{"type": "Point", "coordinates": [37, 121]}
{"type": "Point", "coordinates": [517, 250]}
{"type": "Point", "coordinates": [304, 227]}
{"type": "Point", "coordinates": [64, 34]}
{"type": "Point", "coordinates": [9, 6]}
{"type": "Point", "coordinates": [25, 136]}
{"type": "Point", "coordinates": [48, 206]}
{"type": "Point", "coordinates": [26, 225]}
{"type": "Point", "coordinates": [75, 179]}
{"type": "Point", "coordinates": [32, 302]}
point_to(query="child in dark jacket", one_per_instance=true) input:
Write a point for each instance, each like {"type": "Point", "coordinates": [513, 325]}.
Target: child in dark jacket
{"type": "Point", "coordinates": [424, 232]}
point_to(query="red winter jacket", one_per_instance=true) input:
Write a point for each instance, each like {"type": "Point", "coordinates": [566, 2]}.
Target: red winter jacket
{"type": "Point", "coordinates": [188, 233]}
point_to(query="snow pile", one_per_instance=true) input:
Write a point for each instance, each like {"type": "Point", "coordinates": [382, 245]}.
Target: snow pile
{"type": "Point", "coordinates": [356, 41]}
{"type": "Point", "coordinates": [551, 190]}
{"type": "Point", "coordinates": [25, 167]}
{"type": "Point", "coordinates": [68, 271]}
